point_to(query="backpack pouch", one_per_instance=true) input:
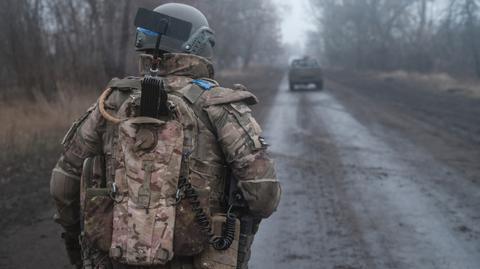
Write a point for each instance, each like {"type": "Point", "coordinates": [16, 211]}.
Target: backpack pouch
{"type": "Point", "coordinates": [96, 204]}
{"type": "Point", "coordinates": [147, 174]}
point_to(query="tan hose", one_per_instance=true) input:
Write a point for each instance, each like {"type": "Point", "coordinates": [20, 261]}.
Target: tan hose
{"type": "Point", "coordinates": [101, 106]}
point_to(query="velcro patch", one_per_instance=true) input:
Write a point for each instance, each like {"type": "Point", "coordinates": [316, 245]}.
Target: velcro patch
{"type": "Point", "coordinates": [205, 85]}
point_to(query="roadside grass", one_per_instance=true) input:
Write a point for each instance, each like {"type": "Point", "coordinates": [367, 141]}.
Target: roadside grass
{"type": "Point", "coordinates": [434, 81]}
{"type": "Point", "coordinates": [29, 147]}
{"type": "Point", "coordinates": [27, 124]}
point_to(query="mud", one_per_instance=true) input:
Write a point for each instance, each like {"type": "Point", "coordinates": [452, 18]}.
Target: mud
{"type": "Point", "coordinates": [374, 175]}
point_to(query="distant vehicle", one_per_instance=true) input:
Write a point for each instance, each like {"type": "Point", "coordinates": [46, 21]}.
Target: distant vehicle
{"type": "Point", "coordinates": [305, 71]}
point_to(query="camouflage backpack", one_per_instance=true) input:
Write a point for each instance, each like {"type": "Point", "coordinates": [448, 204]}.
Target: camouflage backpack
{"type": "Point", "coordinates": [132, 217]}
{"type": "Point", "coordinates": [146, 181]}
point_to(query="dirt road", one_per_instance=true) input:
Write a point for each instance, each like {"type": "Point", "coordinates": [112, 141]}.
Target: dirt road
{"type": "Point", "coordinates": [374, 176]}
{"type": "Point", "coordinates": [368, 185]}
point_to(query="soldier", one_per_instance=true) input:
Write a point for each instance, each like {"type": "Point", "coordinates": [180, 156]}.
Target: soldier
{"type": "Point", "coordinates": [142, 192]}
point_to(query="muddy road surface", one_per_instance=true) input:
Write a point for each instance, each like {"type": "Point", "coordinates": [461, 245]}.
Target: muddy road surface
{"type": "Point", "coordinates": [369, 182]}
{"type": "Point", "coordinates": [373, 177]}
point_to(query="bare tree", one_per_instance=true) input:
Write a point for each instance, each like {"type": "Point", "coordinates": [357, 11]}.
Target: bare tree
{"type": "Point", "coordinates": [246, 30]}
{"type": "Point", "coordinates": [470, 11]}
{"type": "Point", "coordinates": [387, 34]}
{"type": "Point", "coordinates": [24, 48]}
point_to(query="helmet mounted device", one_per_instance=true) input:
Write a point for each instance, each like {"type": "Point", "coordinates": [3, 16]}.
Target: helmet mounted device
{"type": "Point", "coordinates": [160, 25]}
{"type": "Point", "coordinates": [153, 100]}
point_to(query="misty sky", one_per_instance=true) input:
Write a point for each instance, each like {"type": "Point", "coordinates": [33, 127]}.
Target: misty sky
{"type": "Point", "coordinates": [296, 20]}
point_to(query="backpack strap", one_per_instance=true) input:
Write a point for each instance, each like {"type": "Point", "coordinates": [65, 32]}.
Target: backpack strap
{"type": "Point", "coordinates": [119, 93]}
{"type": "Point", "coordinates": [192, 93]}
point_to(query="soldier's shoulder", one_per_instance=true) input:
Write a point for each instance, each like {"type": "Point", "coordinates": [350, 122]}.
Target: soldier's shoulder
{"type": "Point", "coordinates": [215, 94]}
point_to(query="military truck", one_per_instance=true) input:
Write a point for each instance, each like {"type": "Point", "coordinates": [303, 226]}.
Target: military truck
{"type": "Point", "coordinates": [305, 71]}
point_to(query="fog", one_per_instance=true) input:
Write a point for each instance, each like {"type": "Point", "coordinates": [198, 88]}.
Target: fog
{"type": "Point", "coordinates": [296, 21]}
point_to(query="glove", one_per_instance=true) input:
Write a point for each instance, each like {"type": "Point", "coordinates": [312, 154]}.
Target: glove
{"type": "Point", "coordinates": [249, 227]}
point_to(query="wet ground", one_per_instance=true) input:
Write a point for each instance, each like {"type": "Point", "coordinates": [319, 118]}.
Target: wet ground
{"type": "Point", "coordinates": [374, 175]}
{"type": "Point", "coordinates": [369, 185]}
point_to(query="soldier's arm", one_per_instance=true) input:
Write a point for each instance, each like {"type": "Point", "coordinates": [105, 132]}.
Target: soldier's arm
{"type": "Point", "coordinates": [81, 141]}
{"type": "Point", "coordinates": [240, 137]}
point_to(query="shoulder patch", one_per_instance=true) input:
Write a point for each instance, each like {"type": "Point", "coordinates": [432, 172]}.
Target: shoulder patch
{"type": "Point", "coordinates": [191, 92]}
{"type": "Point", "coordinates": [204, 84]}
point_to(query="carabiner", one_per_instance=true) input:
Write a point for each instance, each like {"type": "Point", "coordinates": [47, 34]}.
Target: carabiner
{"type": "Point", "coordinates": [179, 195]}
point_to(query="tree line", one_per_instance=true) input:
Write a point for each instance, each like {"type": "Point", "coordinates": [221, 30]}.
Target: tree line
{"type": "Point", "coordinates": [417, 35]}
{"type": "Point", "coordinates": [50, 45]}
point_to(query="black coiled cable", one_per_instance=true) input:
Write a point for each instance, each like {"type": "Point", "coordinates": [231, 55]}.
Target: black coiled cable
{"type": "Point", "coordinates": [200, 216]}
{"type": "Point", "coordinates": [228, 233]}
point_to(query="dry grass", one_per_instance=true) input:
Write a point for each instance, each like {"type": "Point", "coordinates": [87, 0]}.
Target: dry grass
{"type": "Point", "coordinates": [29, 148]}
{"type": "Point", "coordinates": [435, 81]}
{"type": "Point", "coordinates": [29, 124]}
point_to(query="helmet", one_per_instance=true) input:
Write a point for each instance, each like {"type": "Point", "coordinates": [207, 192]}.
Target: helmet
{"type": "Point", "coordinates": [201, 38]}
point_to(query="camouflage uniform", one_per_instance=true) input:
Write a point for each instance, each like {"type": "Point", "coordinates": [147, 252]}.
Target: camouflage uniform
{"type": "Point", "coordinates": [221, 132]}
